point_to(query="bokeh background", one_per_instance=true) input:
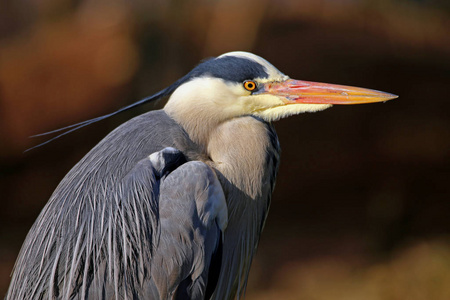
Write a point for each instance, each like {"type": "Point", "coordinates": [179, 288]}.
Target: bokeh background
{"type": "Point", "coordinates": [361, 208]}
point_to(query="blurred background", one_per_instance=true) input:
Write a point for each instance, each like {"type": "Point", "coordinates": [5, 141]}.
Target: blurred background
{"type": "Point", "coordinates": [361, 209]}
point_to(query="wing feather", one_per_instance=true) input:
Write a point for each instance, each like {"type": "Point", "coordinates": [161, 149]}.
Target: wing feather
{"type": "Point", "coordinates": [154, 233]}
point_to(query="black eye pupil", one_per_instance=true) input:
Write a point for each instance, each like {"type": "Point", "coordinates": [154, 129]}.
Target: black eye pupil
{"type": "Point", "coordinates": [250, 85]}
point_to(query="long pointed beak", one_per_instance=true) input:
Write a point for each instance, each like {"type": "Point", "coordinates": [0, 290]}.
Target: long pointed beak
{"type": "Point", "coordinates": [298, 91]}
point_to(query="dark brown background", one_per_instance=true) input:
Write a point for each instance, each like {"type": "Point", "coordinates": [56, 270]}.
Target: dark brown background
{"type": "Point", "coordinates": [361, 207]}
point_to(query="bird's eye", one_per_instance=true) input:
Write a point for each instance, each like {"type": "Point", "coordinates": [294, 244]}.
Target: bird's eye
{"type": "Point", "coordinates": [250, 85]}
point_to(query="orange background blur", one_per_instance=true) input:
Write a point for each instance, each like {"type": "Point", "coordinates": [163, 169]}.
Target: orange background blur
{"type": "Point", "coordinates": [361, 209]}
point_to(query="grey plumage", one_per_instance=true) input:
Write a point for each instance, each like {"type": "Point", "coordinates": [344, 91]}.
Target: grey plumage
{"type": "Point", "coordinates": [120, 225]}
{"type": "Point", "coordinates": [190, 232]}
{"type": "Point", "coordinates": [108, 215]}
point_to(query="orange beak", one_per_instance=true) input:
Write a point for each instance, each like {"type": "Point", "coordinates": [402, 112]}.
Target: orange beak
{"type": "Point", "coordinates": [298, 91]}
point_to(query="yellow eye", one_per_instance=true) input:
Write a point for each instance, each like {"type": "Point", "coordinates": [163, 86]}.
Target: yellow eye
{"type": "Point", "coordinates": [250, 85]}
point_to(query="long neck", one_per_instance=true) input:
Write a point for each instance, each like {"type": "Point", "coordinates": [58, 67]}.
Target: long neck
{"type": "Point", "coordinates": [247, 168]}
{"type": "Point", "coordinates": [244, 152]}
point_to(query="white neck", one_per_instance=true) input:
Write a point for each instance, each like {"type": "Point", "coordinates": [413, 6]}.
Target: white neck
{"type": "Point", "coordinates": [200, 105]}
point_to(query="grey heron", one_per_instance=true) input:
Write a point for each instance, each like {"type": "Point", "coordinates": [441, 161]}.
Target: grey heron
{"type": "Point", "coordinates": [171, 204]}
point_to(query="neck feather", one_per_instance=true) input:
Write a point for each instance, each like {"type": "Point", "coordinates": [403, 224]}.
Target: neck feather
{"type": "Point", "coordinates": [244, 152]}
{"type": "Point", "coordinates": [247, 169]}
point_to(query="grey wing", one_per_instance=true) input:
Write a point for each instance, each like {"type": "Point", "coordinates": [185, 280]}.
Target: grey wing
{"type": "Point", "coordinates": [154, 234]}
{"type": "Point", "coordinates": [193, 214]}
{"type": "Point", "coordinates": [186, 239]}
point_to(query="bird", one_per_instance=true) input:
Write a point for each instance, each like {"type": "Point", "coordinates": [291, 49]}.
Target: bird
{"type": "Point", "coordinates": [172, 203]}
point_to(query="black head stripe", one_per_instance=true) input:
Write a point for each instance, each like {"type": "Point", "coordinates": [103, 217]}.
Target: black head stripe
{"type": "Point", "coordinates": [230, 68]}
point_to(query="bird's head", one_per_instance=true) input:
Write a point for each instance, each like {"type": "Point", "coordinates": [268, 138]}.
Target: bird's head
{"type": "Point", "coordinates": [239, 84]}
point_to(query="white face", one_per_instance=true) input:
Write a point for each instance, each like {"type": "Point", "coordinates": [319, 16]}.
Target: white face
{"type": "Point", "coordinates": [220, 99]}
{"type": "Point", "coordinates": [266, 106]}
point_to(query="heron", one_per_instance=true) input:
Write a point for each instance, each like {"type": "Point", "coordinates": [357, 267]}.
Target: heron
{"type": "Point", "coordinates": [171, 204]}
